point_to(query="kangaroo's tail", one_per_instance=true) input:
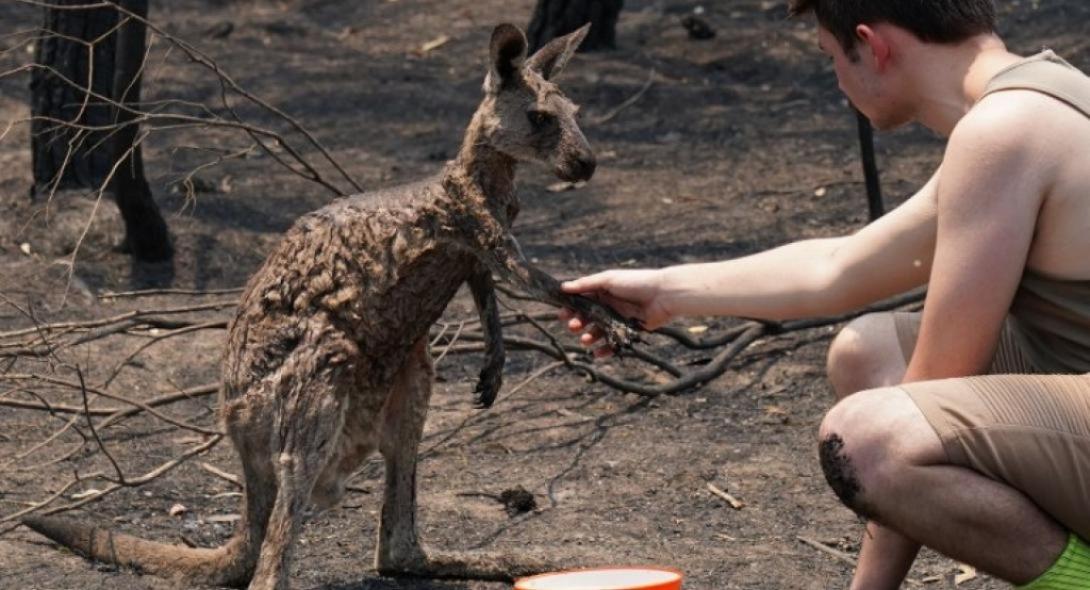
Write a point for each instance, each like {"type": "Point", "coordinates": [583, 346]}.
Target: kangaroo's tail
{"type": "Point", "coordinates": [229, 565]}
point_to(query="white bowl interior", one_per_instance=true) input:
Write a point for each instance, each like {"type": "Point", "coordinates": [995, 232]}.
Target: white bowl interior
{"type": "Point", "coordinates": [608, 579]}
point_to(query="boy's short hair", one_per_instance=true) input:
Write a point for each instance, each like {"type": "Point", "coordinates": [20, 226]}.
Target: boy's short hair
{"type": "Point", "coordinates": [934, 21]}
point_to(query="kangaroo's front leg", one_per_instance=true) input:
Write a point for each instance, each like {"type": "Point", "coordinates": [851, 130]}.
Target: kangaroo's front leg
{"type": "Point", "coordinates": [491, 377]}
{"type": "Point", "coordinates": [505, 258]}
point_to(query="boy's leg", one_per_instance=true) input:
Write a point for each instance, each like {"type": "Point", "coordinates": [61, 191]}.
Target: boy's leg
{"type": "Point", "coordinates": [873, 351]}
{"type": "Point", "coordinates": [979, 468]}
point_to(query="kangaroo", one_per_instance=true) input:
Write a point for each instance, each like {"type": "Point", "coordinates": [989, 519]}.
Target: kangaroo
{"type": "Point", "coordinates": [327, 359]}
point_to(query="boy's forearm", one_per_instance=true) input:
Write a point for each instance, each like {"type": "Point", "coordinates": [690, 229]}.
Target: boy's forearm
{"type": "Point", "coordinates": [793, 281]}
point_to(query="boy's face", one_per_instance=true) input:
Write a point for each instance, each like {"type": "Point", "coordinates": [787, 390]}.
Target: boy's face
{"type": "Point", "coordinates": [869, 88]}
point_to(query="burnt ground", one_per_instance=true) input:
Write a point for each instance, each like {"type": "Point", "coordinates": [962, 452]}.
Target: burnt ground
{"type": "Point", "coordinates": [724, 155]}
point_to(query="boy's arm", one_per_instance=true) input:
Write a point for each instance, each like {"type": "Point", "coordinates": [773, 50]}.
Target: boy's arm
{"type": "Point", "coordinates": [992, 187]}
{"type": "Point", "coordinates": [814, 277]}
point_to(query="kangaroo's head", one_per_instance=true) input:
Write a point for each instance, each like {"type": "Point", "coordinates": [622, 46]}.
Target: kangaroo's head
{"type": "Point", "coordinates": [524, 114]}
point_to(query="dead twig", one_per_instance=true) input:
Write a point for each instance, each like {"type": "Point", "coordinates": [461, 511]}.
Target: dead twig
{"type": "Point", "coordinates": [145, 316]}
{"type": "Point", "coordinates": [132, 482]}
{"type": "Point", "coordinates": [110, 295]}
{"type": "Point", "coordinates": [834, 553]}
{"type": "Point", "coordinates": [94, 433]}
{"type": "Point", "coordinates": [733, 502]}
{"type": "Point", "coordinates": [844, 557]}
{"type": "Point", "coordinates": [631, 100]}
{"type": "Point", "coordinates": [113, 414]}
{"type": "Point", "coordinates": [452, 342]}
{"type": "Point", "coordinates": [116, 397]}
{"type": "Point", "coordinates": [157, 339]}
{"type": "Point", "coordinates": [237, 481]}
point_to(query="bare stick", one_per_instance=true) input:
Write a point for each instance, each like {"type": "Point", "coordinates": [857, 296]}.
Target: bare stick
{"type": "Point", "coordinates": [237, 481]}
{"type": "Point", "coordinates": [118, 318]}
{"type": "Point", "coordinates": [113, 414]}
{"type": "Point", "coordinates": [53, 498]}
{"type": "Point", "coordinates": [154, 292]}
{"type": "Point", "coordinates": [734, 503]}
{"type": "Point", "coordinates": [185, 394]}
{"type": "Point", "coordinates": [841, 556]}
{"type": "Point", "coordinates": [224, 475]}
{"type": "Point", "coordinates": [836, 554]}
{"type": "Point", "coordinates": [453, 340]}
{"type": "Point", "coordinates": [137, 404]}
{"type": "Point", "coordinates": [136, 481]}
{"type": "Point", "coordinates": [94, 433]}
{"type": "Point", "coordinates": [68, 425]}
{"type": "Point", "coordinates": [157, 339]}
{"type": "Point", "coordinates": [631, 101]}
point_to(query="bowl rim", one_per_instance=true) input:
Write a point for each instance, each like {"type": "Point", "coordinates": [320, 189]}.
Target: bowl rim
{"type": "Point", "coordinates": [647, 586]}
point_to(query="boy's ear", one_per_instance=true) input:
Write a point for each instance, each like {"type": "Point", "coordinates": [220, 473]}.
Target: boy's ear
{"type": "Point", "coordinates": [871, 40]}
{"type": "Point", "coordinates": [508, 52]}
{"type": "Point", "coordinates": [551, 59]}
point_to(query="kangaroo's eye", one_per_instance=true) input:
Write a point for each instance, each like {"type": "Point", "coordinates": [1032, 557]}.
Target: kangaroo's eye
{"type": "Point", "coordinates": [539, 119]}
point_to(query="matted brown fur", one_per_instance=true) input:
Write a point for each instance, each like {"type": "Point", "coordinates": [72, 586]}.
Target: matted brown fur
{"type": "Point", "coordinates": [327, 359]}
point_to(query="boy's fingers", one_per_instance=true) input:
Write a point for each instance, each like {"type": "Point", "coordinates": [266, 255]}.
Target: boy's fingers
{"type": "Point", "coordinates": [575, 325]}
{"type": "Point", "coordinates": [583, 284]}
{"type": "Point", "coordinates": [592, 335]}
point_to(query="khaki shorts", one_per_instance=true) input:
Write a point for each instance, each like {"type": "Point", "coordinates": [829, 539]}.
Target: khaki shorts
{"type": "Point", "coordinates": [1030, 431]}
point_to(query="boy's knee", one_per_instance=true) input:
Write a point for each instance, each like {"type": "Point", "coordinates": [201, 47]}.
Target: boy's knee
{"type": "Point", "coordinates": [863, 355]}
{"type": "Point", "coordinates": [865, 443]}
{"type": "Point", "coordinates": [853, 451]}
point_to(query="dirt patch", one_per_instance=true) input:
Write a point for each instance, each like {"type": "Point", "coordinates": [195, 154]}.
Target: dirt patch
{"type": "Point", "coordinates": [723, 155]}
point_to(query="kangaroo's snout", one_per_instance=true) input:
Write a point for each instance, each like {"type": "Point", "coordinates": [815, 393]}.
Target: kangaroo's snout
{"type": "Point", "coordinates": [578, 168]}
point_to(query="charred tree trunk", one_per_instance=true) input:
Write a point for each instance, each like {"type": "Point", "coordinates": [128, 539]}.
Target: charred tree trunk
{"type": "Point", "coordinates": [146, 235]}
{"type": "Point", "coordinates": [870, 166]}
{"type": "Point", "coordinates": [66, 157]}
{"type": "Point", "coordinates": [62, 156]}
{"type": "Point", "coordinates": [553, 18]}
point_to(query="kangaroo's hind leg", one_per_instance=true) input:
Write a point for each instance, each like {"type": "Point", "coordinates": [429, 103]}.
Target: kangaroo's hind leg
{"type": "Point", "coordinates": [248, 421]}
{"type": "Point", "coordinates": [402, 424]}
{"type": "Point", "coordinates": [399, 548]}
{"type": "Point", "coordinates": [310, 393]}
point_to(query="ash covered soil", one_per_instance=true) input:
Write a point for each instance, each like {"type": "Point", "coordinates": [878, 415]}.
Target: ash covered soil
{"type": "Point", "coordinates": [740, 143]}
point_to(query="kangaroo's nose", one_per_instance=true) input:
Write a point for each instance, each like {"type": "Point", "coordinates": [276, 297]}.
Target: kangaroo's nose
{"type": "Point", "coordinates": [584, 167]}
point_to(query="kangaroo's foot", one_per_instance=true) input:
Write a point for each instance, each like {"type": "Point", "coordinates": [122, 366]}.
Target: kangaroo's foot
{"type": "Point", "coordinates": [465, 565]}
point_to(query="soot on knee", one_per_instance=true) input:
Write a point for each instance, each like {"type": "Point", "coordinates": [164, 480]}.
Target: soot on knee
{"type": "Point", "coordinates": [840, 474]}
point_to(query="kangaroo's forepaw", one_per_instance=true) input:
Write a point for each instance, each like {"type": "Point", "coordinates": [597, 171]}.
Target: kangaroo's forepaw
{"type": "Point", "coordinates": [488, 386]}
{"type": "Point", "coordinates": [618, 331]}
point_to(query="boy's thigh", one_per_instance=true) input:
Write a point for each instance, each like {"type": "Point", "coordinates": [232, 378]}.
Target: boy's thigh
{"type": "Point", "coordinates": [1031, 432]}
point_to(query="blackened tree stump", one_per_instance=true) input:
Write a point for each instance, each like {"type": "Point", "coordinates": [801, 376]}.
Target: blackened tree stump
{"type": "Point", "coordinates": [553, 18]}
{"type": "Point", "coordinates": [66, 153]}
{"type": "Point", "coordinates": [55, 97]}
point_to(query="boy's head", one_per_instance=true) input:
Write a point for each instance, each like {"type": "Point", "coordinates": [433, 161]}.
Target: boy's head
{"type": "Point", "coordinates": [876, 45]}
{"type": "Point", "coordinates": [934, 21]}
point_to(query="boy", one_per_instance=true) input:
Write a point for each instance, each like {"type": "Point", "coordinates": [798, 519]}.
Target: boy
{"type": "Point", "coordinates": [965, 428]}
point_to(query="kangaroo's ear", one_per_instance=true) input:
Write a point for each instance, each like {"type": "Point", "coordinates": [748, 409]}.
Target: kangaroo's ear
{"type": "Point", "coordinates": [549, 60]}
{"type": "Point", "coordinates": [508, 52]}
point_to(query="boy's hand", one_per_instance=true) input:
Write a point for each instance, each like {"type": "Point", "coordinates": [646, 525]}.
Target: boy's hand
{"type": "Point", "coordinates": [634, 294]}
